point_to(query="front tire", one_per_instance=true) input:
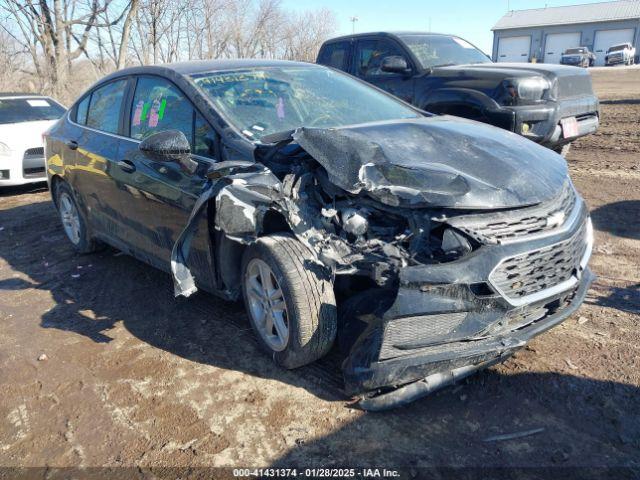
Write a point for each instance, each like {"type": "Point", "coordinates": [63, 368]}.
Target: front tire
{"type": "Point", "coordinates": [73, 222]}
{"type": "Point", "coordinates": [289, 300]}
{"type": "Point", "coordinates": [563, 150]}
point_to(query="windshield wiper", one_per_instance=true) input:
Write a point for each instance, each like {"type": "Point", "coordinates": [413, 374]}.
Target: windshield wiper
{"type": "Point", "coordinates": [444, 65]}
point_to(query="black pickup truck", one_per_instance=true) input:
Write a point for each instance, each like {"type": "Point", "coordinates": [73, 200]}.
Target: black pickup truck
{"type": "Point", "coordinates": [549, 104]}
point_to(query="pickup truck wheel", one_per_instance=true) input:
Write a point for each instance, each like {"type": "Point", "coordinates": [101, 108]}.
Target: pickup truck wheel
{"type": "Point", "coordinates": [289, 300]}
{"type": "Point", "coordinates": [563, 150]}
{"type": "Point", "coordinates": [73, 222]}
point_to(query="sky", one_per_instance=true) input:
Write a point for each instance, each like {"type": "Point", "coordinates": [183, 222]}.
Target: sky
{"type": "Point", "coordinates": [469, 19]}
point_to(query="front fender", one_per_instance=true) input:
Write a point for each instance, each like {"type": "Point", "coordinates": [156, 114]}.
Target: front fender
{"type": "Point", "coordinates": [472, 104]}
{"type": "Point", "coordinates": [241, 200]}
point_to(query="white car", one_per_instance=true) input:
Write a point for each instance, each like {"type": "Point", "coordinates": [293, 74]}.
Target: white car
{"type": "Point", "coordinates": [623, 53]}
{"type": "Point", "coordinates": [23, 120]}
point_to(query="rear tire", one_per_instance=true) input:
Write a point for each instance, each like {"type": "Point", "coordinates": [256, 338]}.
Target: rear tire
{"type": "Point", "coordinates": [73, 222]}
{"type": "Point", "coordinates": [289, 300]}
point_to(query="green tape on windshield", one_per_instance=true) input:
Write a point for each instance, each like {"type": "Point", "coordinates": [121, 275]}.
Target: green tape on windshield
{"type": "Point", "coordinates": [163, 104]}
{"type": "Point", "coordinates": [145, 111]}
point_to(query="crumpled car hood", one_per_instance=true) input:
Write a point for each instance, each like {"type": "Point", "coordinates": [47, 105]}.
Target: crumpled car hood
{"type": "Point", "coordinates": [438, 161]}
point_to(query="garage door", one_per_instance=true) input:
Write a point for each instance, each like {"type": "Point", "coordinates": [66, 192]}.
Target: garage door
{"type": "Point", "coordinates": [606, 38]}
{"type": "Point", "coordinates": [514, 49]}
{"type": "Point", "coordinates": [557, 43]}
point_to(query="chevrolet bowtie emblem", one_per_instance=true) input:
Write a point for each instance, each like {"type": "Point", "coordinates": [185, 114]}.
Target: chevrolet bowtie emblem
{"type": "Point", "coordinates": [555, 219]}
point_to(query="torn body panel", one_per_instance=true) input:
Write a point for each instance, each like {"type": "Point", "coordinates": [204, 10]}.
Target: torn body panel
{"type": "Point", "coordinates": [436, 161]}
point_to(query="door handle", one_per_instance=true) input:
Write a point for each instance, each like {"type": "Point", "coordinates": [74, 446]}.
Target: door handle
{"type": "Point", "coordinates": [127, 166]}
{"type": "Point", "coordinates": [72, 144]}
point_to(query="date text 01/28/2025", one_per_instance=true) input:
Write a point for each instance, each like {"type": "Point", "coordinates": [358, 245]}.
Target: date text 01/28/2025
{"type": "Point", "coordinates": [317, 472]}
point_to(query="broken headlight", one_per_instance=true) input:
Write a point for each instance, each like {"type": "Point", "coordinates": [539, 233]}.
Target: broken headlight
{"type": "Point", "coordinates": [454, 244]}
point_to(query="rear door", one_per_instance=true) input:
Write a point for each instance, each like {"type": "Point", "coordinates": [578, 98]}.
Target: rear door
{"type": "Point", "coordinates": [159, 196]}
{"type": "Point", "coordinates": [94, 156]}
{"type": "Point", "coordinates": [367, 63]}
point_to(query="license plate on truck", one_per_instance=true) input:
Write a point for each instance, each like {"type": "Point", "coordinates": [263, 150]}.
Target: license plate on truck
{"type": "Point", "coordinates": [569, 127]}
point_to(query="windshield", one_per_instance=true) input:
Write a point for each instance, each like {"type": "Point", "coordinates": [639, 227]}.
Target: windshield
{"type": "Point", "coordinates": [616, 48]}
{"type": "Point", "coordinates": [440, 50]}
{"type": "Point", "coordinates": [268, 100]}
{"type": "Point", "coordinates": [17, 110]}
{"type": "Point", "coordinates": [575, 50]}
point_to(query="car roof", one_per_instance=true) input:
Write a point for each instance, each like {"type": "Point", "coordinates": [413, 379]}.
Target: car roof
{"type": "Point", "coordinates": [394, 34]}
{"type": "Point", "coordinates": [204, 66]}
{"type": "Point", "coordinates": [21, 94]}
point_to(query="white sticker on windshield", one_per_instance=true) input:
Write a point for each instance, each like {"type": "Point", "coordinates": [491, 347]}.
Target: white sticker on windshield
{"type": "Point", "coordinates": [38, 103]}
{"type": "Point", "coordinates": [463, 43]}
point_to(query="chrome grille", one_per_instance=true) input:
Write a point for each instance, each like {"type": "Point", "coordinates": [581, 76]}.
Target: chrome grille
{"type": "Point", "coordinates": [501, 227]}
{"type": "Point", "coordinates": [32, 152]}
{"type": "Point", "coordinates": [538, 270]}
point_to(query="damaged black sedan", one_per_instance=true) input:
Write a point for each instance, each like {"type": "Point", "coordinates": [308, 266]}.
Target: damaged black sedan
{"type": "Point", "coordinates": [427, 247]}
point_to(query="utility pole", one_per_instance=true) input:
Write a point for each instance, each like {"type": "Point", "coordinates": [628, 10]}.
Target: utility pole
{"type": "Point", "coordinates": [353, 21]}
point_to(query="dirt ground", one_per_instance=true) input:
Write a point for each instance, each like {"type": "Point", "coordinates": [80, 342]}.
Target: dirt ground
{"type": "Point", "coordinates": [133, 377]}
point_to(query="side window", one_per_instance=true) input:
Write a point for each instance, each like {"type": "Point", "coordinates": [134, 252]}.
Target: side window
{"type": "Point", "coordinates": [158, 106]}
{"type": "Point", "coordinates": [82, 110]}
{"type": "Point", "coordinates": [104, 106]}
{"type": "Point", "coordinates": [204, 138]}
{"type": "Point", "coordinates": [369, 56]}
{"type": "Point", "coordinates": [335, 55]}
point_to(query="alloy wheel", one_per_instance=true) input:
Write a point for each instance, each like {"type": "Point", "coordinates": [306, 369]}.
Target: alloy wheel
{"type": "Point", "coordinates": [70, 218]}
{"type": "Point", "coordinates": [267, 306]}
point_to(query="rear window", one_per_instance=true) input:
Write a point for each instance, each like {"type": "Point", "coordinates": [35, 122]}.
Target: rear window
{"type": "Point", "coordinates": [18, 110]}
{"type": "Point", "coordinates": [335, 55]}
{"type": "Point", "coordinates": [104, 106]}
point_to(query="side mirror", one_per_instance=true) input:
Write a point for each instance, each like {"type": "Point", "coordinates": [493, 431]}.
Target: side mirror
{"type": "Point", "coordinates": [169, 146]}
{"type": "Point", "coordinates": [395, 64]}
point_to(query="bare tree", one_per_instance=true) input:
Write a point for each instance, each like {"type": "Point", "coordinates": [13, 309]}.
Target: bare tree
{"type": "Point", "coordinates": [55, 32]}
{"type": "Point", "coordinates": [304, 34]}
{"type": "Point", "coordinates": [12, 58]}
{"type": "Point", "coordinates": [53, 37]}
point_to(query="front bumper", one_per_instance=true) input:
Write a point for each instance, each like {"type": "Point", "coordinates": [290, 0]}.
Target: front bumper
{"type": "Point", "coordinates": [449, 320]}
{"type": "Point", "coordinates": [542, 123]}
{"type": "Point", "coordinates": [572, 61]}
{"type": "Point", "coordinates": [22, 168]}
{"type": "Point", "coordinates": [618, 59]}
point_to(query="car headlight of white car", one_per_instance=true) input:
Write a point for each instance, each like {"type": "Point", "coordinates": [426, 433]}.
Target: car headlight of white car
{"type": "Point", "coordinates": [5, 151]}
